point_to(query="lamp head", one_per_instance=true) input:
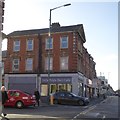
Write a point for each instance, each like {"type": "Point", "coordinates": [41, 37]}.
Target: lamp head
{"type": "Point", "coordinates": [67, 5]}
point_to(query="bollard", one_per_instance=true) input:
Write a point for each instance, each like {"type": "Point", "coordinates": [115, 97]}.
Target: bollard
{"type": "Point", "coordinates": [51, 99]}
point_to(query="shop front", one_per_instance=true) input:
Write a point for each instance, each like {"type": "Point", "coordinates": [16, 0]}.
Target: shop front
{"type": "Point", "coordinates": [81, 84]}
{"type": "Point", "coordinates": [24, 82]}
{"type": "Point", "coordinates": [55, 84]}
{"type": "Point", "coordinates": [89, 88]}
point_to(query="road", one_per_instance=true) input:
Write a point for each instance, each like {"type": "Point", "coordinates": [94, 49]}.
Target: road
{"type": "Point", "coordinates": [107, 108]}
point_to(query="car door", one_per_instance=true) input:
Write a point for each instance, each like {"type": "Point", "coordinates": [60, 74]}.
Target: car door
{"type": "Point", "coordinates": [61, 98]}
{"type": "Point", "coordinates": [69, 98]}
{"type": "Point", "coordinates": [11, 96]}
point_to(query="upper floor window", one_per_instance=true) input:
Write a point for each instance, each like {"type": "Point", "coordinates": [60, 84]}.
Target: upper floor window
{"type": "Point", "coordinates": [64, 63]}
{"type": "Point", "coordinates": [49, 43]}
{"type": "Point", "coordinates": [48, 64]}
{"type": "Point", "coordinates": [2, 67]}
{"type": "Point", "coordinates": [15, 66]}
{"type": "Point", "coordinates": [64, 42]}
{"type": "Point", "coordinates": [30, 44]}
{"type": "Point", "coordinates": [17, 45]}
{"type": "Point", "coordinates": [29, 64]}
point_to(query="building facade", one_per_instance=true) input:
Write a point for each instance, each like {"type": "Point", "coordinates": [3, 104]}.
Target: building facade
{"type": "Point", "coordinates": [2, 5]}
{"type": "Point", "coordinates": [1, 28]}
{"type": "Point", "coordinates": [2, 35]}
{"type": "Point", "coordinates": [103, 88]}
{"type": "Point", "coordinates": [72, 68]}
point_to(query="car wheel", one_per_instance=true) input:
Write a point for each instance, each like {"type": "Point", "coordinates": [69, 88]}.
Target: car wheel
{"type": "Point", "coordinates": [19, 104]}
{"type": "Point", "coordinates": [86, 103]}
{"type": "Point", "coordinates": [81, 102]}
{"type": "Point", "coordinates": [55, 102]}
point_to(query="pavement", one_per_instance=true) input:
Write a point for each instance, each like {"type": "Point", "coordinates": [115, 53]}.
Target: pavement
{"type": "Point", "coordinates": [41, 117]}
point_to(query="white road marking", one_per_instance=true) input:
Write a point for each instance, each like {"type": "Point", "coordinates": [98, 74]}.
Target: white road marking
{"type": "Point", "coordinates": [85, 111]}
{"type": "Point", "coordinates": [88, 110]}
{"type": "Point", "coordinates": [28, 116]}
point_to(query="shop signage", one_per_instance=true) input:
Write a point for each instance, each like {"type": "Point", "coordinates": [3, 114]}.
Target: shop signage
{"type": "Point", "coordinates": [56, 80]}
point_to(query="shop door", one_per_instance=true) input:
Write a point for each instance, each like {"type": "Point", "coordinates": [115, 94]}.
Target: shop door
{"type": "Point", "coordinates": [52, 88]}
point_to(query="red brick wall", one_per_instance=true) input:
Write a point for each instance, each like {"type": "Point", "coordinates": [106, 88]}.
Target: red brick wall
{"type": "Point", "coordinates": [56, 52]}
{"type": "Point", "coordinates": [22, 54]}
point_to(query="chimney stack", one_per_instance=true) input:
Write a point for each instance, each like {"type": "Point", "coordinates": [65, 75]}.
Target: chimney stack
{"type": "Point", "coordinates": [55, 25]}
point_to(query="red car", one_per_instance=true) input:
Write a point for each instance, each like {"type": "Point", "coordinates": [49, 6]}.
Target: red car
{"type": "Point", "coordinates": [19, 99]}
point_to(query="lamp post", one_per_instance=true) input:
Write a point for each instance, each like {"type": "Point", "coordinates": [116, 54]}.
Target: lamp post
{"type": "Point", "coordinates": [49, 44]}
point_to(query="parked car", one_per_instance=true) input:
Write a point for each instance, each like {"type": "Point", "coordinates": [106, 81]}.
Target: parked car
{"type": "Point", "coordinates": [64, 97]}
{"type": "Point", "coordinates": [19, 99]}
{"type": "Point", "coordinates": [117, 94]}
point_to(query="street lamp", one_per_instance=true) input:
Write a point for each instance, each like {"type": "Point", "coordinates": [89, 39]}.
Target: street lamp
{"type": "Point", "coordinates": [49, 44]}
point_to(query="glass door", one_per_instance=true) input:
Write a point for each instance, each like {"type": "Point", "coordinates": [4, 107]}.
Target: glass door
{"type": "Point", "coordinates": [52, 88]}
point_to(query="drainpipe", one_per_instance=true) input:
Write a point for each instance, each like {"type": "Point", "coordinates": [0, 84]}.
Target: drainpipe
{"type": "Point", "coordinates": [39, 70]}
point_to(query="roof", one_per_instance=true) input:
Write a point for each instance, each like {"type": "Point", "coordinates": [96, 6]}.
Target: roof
{"type": "Point", "coordinates": [78, 27]}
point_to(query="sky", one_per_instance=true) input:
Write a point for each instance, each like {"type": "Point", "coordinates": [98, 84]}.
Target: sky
{"type": "Point", "coordinates": [99, 19]}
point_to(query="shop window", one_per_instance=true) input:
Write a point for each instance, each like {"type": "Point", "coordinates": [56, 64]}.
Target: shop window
{"type": "Point", "coordinates": [61, 87]}
{"type": "Point", "coordinates": [44, 90]}
{"type": "Point", "coordinates": [69, 87]}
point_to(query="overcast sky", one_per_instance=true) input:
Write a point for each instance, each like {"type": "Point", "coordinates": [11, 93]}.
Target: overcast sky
{"type": "Point", "coordinates": [100, 21]}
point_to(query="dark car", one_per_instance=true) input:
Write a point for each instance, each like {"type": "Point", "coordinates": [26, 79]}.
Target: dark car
{"type": "Point", "coordinates": [64, 97]}
{"type": "Point", "coordinates": [117, 94]}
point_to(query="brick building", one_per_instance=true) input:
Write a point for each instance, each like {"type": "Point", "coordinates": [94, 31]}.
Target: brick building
{"type": "Point", "coordinates": [2, 5]}
{"type": "Point", "coordinates": [1, 28]}
{"type": "Point", "coordinates": [71, 66]}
